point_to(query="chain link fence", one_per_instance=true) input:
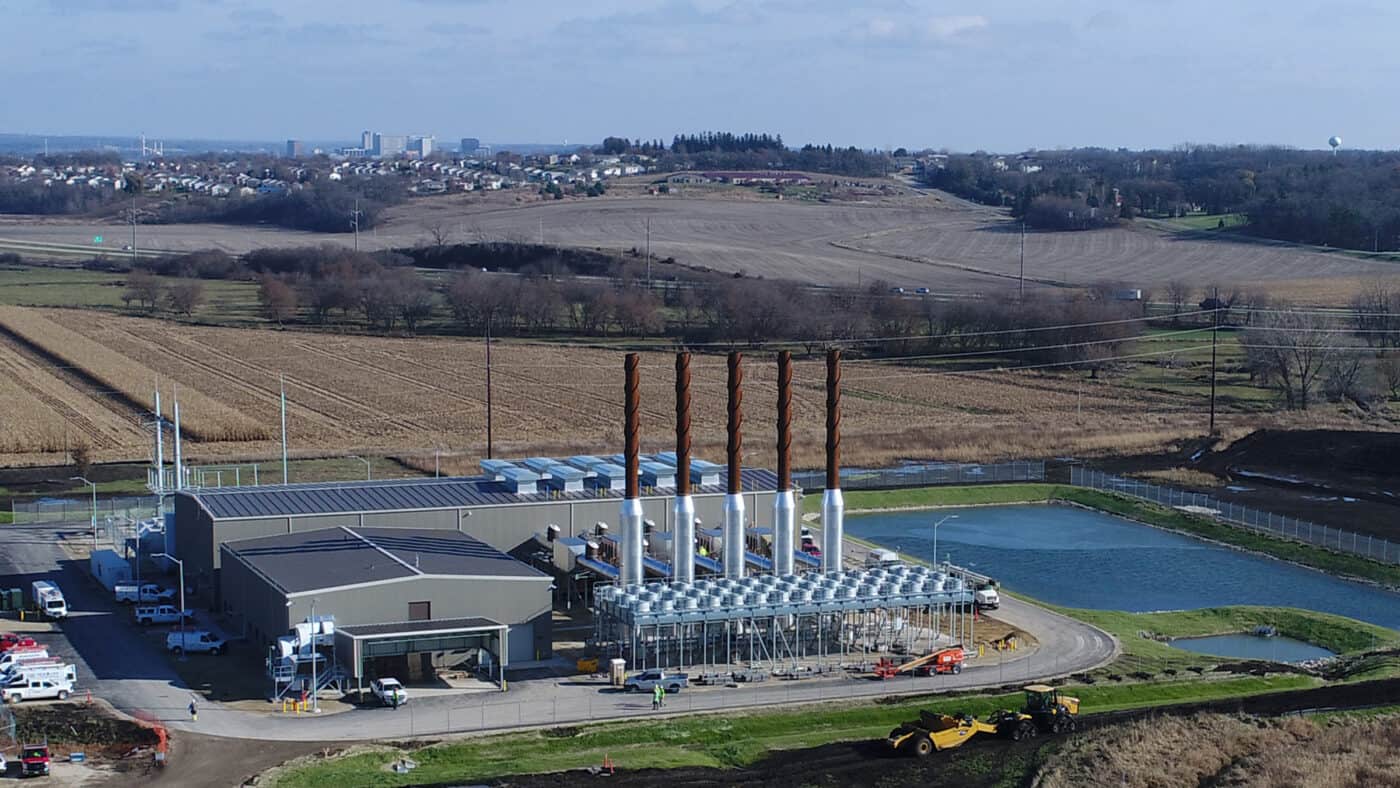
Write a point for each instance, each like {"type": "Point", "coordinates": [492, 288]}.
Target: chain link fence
{"type": "Point", "coordinates": [73, 510]}
{"type": "Point", "coordinates": [1279, 525]}
{"type": "Point", "coordinates": [926, 475]}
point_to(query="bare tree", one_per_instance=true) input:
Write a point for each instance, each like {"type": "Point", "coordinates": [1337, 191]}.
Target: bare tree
{"type": "Point", "coordinates": [1291, 351]}
{"type": "Point", "coordinates": [441, 236]}
{"type": "Point", "coordinates": [185, 296]}
{"type": "Point", "coordinates": [143, 287]}
{"type": "Point", "coordinates": [278, 298]}
{"type": "Point", "coordinates": [1178, 293]}
{"type": "Point", "coordinates": [1388, 369]}
{"type": "Point", "coordinates": [415, 298]}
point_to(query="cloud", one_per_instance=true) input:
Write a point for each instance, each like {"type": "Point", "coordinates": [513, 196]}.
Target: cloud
{"type": "Point", "coordinates": [950, 26]}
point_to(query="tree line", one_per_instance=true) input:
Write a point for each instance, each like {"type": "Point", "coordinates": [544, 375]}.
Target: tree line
{"type": "Point", "coordinates": [713, 150]}
{"type": "Point", "coordinates": [1348, 200]}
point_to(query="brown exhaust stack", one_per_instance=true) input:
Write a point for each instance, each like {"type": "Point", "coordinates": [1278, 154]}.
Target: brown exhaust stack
{"type": "Point", "coordinates": [682, 424]}
{"type": "Point", "coordinates": [833, 419]}
{"type": "Point", "coordinates": [785, 420]}
{"type": "Point", "coordinates": [735, 445]}
{"type": "Point", "coordinates": [683, 538]}
{"type": "Point", "coordinates": [784, 502]}
{"type": "Point", "coordinates": [630, 515]}
{"type": "Point", "coordinates": [734, 542]}
{"type": "Point", "coordinates": [632, 427]}
{"type": "Point", "coordinates": [833, 505]}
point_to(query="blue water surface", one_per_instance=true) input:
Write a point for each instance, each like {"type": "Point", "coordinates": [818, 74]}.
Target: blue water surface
{"type": "Point", "coordinates": [1243, 646]}
{"type": "Point", "coordinates": [1080, 558]}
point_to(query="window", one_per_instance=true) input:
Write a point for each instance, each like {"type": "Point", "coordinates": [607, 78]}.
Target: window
{"type": "Point", "coordinates": [420, 611]}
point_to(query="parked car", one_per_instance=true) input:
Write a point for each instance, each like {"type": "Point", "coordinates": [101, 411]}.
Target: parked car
{"type": "Point", "coordinates": [195, 641]}
{"type": "Point", "coordinates": [36, 689]}
{"type": "Point", "coordinates": [921, 290]}
{"type": "Point", "coordinates": [647, 680]}
{"type": "Point", "coordinates": [389, 691]}
{"type": "Point", "coordinates": [146, 593]}
{"type": "Point", "coordinates": [9, 640]}
{"type": "Point", "coordinates": [161, 614]}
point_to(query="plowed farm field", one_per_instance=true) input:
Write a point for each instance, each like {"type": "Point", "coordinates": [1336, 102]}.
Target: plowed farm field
{"type": "Point", "coordinates": [904, 237]}
{"type": "Point", "coordinates": [408, 397]}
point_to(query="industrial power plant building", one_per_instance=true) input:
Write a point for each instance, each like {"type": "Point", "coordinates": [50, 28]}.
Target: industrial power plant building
{"type": "Point", "coordinates": [394, 593]}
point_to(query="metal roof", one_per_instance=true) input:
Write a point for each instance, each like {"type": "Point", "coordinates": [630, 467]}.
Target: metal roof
{"type": "Point", "coordinates": [444, 626]}
{"type": "Point", "coordinates": [333, 557]}
{"type": "Point", "coordinates": [408, 495]}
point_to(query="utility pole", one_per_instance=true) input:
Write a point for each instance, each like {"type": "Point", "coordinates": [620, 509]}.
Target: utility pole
{"type": "Point", "coordinates": [355, 221]}
{"type": "Point", "coordinates": [1215, 329]}
{"type": "Point", "coordinates": [282, 386]}
{"type": "Point", "coordinates": [135, 188]}
{"type": "Point", "coordinates": [1023, 258]}
{"type": "Point", "coordinates": [648, 252]}
{"type": "Point", "coordinates": [488, 389]}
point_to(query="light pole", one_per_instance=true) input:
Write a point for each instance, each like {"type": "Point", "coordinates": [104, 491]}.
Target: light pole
{"type": "Point", "coordinates": [315, 642]}
{"type": "Point", "coordinates": [181, 564]}
{"type": "Point", "coordinates": [94, 506]}
{"type": "Point", "coordinates": [935, 535]}
{"type": "Point", "coordinates": [366, 462]}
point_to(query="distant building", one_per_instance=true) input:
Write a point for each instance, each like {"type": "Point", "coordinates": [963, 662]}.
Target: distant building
{"type": "Point", "coordinates": [470, 145]}
{"type": "Point", "coordinates": [387, 146]}
{"type": "Point", "coordinates": [421, 146]}
{"type": "Point", "coordinates": [295, 149]}
{"type": "Point", "coordinates": [367, 140]}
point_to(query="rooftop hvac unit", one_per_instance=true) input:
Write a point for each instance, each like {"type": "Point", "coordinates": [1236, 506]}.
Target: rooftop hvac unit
{"type": "Point", "coordinates": [521, 481]}
{"type": "Point", "coordinates": [540, 465]}
{"type": "Point", "coordinates": [704, 473]}
{"type": "Point", "coordinates": [495, 469]}
{"type": "Point", "coordinates": [655, 474]}
{"type": "Point", "coordinates": [586, 463]}
{"type": "Point", "coordinates": [609, 477]}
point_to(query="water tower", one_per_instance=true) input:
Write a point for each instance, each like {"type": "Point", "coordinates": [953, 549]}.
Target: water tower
{"type": "Point", "coordinates": [1336, 142]}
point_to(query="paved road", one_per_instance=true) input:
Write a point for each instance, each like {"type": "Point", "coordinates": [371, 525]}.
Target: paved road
{"type": "Point", "coordinates": [135, 676]}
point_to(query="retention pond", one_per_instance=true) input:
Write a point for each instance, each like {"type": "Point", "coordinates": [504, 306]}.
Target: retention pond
{"type": "Point", "coordinates": [1245, 646]}
{"type": "Point", "coordinates": [1081, 558]}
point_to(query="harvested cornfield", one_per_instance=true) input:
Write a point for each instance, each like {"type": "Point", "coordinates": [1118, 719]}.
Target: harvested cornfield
{"type": "Point", "coordinates": [414, 397]}
{"type": "Point", "coordinates": [203, 417]}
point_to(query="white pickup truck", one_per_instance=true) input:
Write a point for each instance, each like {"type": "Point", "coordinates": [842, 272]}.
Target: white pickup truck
{"type": "Point", "coordinates": [195, 641]}
{"type": "Point", "coordinates": [146, 593]}
{"type": "Point", "coordinates": [36, 689]}
{"type": "Point", "coordinates": [987, 598]}
{"type": "Point", "coordinates": [161, 614]}
{"type": "Point", "coordinates": [647, 680]}
{"type": "Point", "coordinates": [389, 691]}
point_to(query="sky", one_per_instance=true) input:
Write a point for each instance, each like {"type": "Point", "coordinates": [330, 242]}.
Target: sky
{"type": "Point", "coordinates": [996, 75]}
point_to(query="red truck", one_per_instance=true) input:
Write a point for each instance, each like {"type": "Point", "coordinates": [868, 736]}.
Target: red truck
{"type": "Point", "coordinates": [9, 640]}
{"type": "Point", "coordinates": [34, 760]}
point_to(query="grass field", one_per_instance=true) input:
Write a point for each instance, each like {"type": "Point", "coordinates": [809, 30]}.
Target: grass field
{"type": "Point", "coordinates": [1202, 221]}
{"type": "Point", "coordinates": [724, 741]}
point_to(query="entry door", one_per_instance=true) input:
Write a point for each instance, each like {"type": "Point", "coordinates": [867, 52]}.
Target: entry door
{"type": "Point", "coordinates": [420, 611]}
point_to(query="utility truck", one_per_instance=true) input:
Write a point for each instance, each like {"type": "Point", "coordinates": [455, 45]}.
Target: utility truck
{"type": "Point", "coordinates": [34, 760]}
{"type": "Point", "coordinates": [147, 593]}
{"type": "Point", "coordinates": [48, 598]}
{"type": "Point", "coordinates": [53, 669]}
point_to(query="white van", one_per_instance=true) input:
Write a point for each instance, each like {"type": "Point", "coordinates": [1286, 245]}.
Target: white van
{"type": "Point", "coordinates": [19, 656]}
{"type": "Point", "coordinates": [25, 673]}
{"type": "Point", "coordinates": [48, 597]}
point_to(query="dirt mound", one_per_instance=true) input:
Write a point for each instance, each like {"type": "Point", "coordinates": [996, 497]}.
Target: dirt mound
{"type": "Point", "coordinates": [1313, 454]}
